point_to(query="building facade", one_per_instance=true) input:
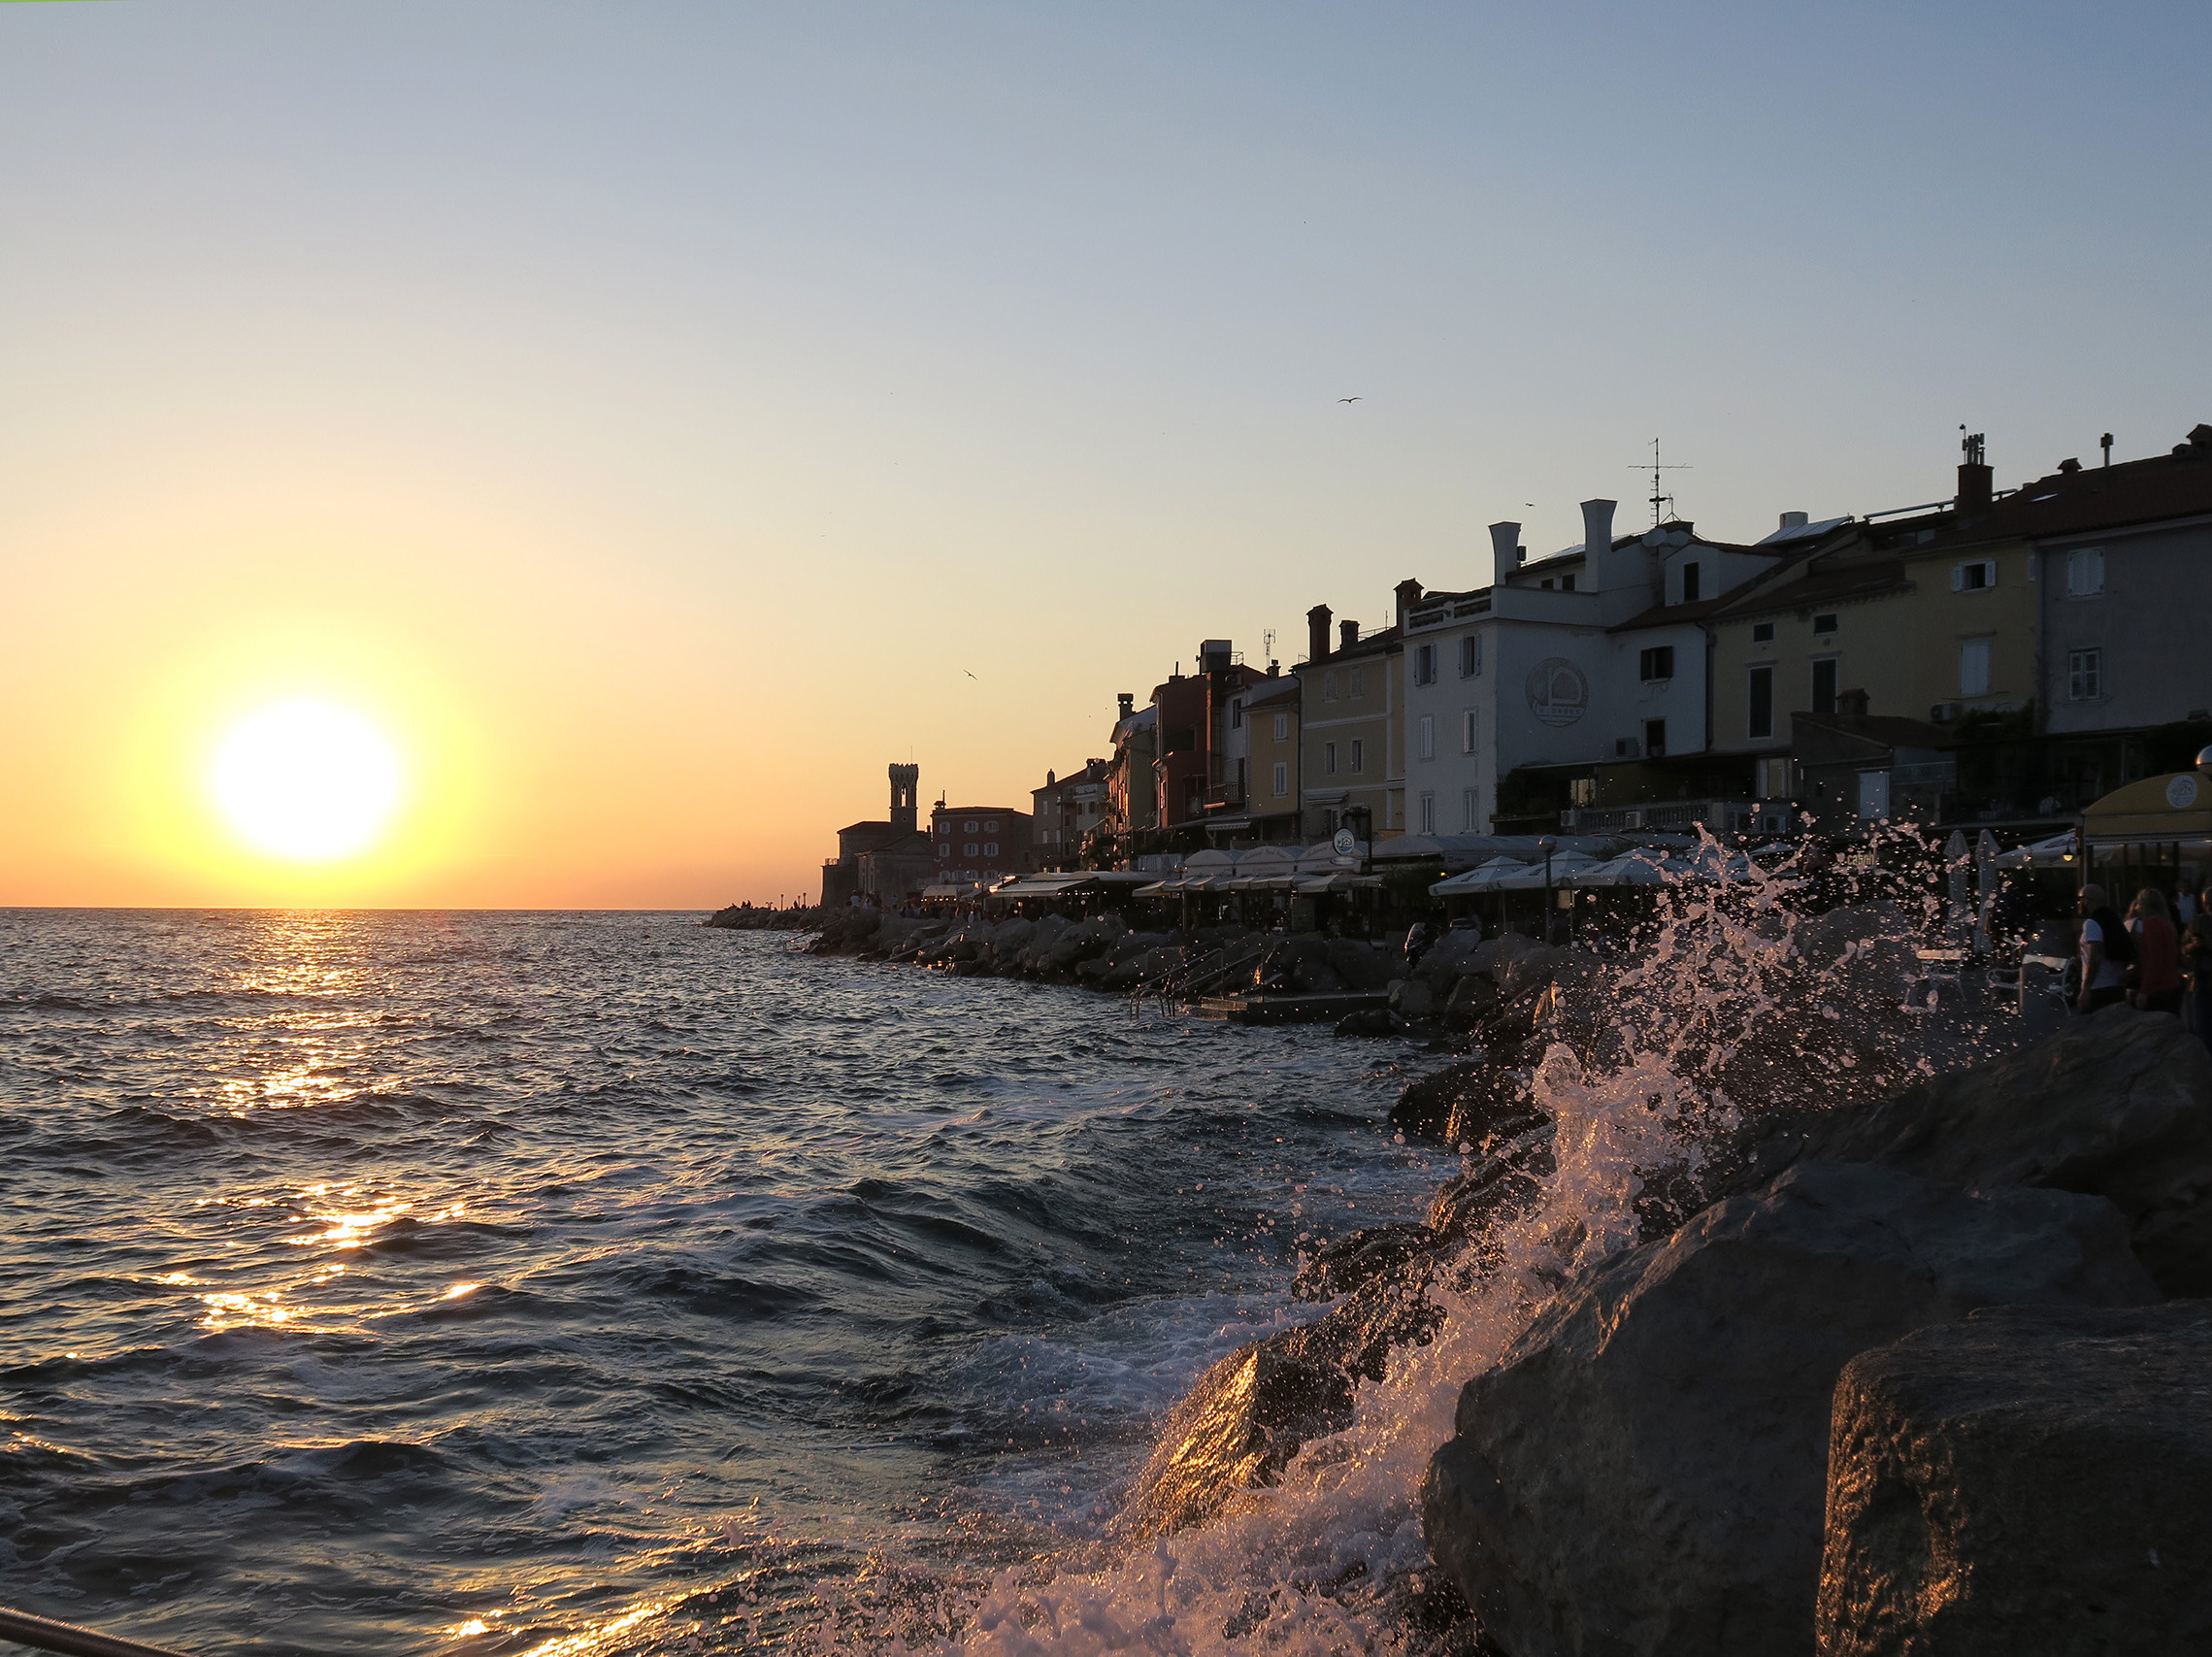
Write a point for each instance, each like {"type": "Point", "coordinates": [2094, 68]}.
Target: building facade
{"type": "Point", "coordinates": [978, 844]}
{"type": "Point", "coordinates": [881, 861]}
{"type": "Point", "coordinates": [1067, 811]}
{"type": "Point", "coordinates": [1352, 728]}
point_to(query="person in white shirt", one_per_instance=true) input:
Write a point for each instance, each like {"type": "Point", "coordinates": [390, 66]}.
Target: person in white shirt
{"type": "Point", "coordinates": [2106, 949]}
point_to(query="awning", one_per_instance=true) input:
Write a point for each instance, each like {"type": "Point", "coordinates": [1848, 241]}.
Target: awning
{"type": "Point", "coordinates": [1044, 885]}
{"type": "Point", "coordinates": [2177, 805]}
{"type": "Point", "coordinates": [947, 891]}
{"type": "Point", "coordinates": [1483, 878]}
{"type": "Point", "coordinates": [2055, 852]}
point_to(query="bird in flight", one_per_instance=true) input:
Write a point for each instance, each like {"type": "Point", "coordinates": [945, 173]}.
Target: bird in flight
{"type": "Point", "coordinates": [1351, 399]}
{"type": "Point", "coordinates": [971, 676]}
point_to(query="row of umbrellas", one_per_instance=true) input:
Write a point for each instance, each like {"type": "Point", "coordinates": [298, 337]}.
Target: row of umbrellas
{"type": "Point", "coordinates": [1647, 867]}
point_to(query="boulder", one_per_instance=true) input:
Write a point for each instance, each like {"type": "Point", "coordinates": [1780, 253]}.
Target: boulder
{"type": "Point", "coordinates": [1353, 1262]}
{"type": "Point", "coordinates": [1371, 1021]}
{"type": "Point", "coordinates": [2029, 1480]}
{"type": "Point", "coordinates": [1643, 1472]}
{"type": "Point", "coordinates": [1240, 1426]}
{"type": "Point", "coordinates": [1449, 957]}
{"type": "Point", "coordinates": [1359, 966]}
{"type": "Point", "coordinates": [1505, 1177]}
{"type": "Point", "coordinates": [2118, 1103]}
{"type": "Point", "coordinates": [1412, 999]}
{"type": "Point", "coordinates": [1066, 949]}
{"type": "Point", "coordinates": [1466, 1103]}
{"type": "Point", "coordinates": [1470, 1001]}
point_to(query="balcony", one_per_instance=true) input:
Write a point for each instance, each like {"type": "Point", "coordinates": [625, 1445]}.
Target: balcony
{"type": "Point", "coordinates": [1669, 816]}
{"type": "Point", "coordinates": [1225, 796]}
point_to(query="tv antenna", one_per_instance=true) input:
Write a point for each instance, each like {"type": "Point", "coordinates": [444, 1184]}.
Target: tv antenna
{"type": "Point", "coordinates": [1268, 647]}
{"type": "Point", "coordinates": [1659, 496]}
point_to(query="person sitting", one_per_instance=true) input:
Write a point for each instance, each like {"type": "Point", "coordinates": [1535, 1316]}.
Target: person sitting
{"type": "Point", "coordinates": [2158, 956]}
{"type": "Point", "coordinates": [2107, 947]}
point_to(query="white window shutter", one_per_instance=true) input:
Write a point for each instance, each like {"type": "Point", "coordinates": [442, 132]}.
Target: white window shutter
{"type": "Point", "coordinates": [1989, 572]}
{"type": "Point", "coordinates": [1958, 578]}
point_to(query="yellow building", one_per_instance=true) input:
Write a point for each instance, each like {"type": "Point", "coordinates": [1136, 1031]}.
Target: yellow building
{"type": "Point", "coordinates": [1272, 711]}
{"type": "Point", "coordinates": [1353, 727]}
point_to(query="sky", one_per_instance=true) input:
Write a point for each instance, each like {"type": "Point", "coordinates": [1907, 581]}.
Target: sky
{"type": "Point", "coordinates": [657, 416]}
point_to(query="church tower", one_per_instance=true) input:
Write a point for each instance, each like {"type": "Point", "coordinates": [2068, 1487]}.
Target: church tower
{"type": "Point", "coordinates": [905, 785]}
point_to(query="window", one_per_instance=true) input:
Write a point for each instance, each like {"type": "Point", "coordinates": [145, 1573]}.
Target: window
{"type": "Point", "coordinates": [2085, 572]}
{"type": "Point", "coordinates": [1582, 791]}
{"type": "Point", "coordinates": [1282, 727]}
{"type": "Point", "coordinates": [967, 851]}
{"type": "Point", "coordinates": [1567, 584]}
{"type": "Point", "coordinates": [1693, 583]}
{"type": "Point", "coordinates": [1329, 685]}
{"type": "Point", "coordinates": [1624, 748]}
{"type": "Point", "coordinates": [1977, 577]}
{"type": "Point", "coordinates": [1654, 737]}
{"type": "Point", "coordinates": [945, 848]}
{"type": "Point", "coordinates": [1466, 732]}
{"type": "Point", "coordinates": [1282, 779]}
{"type": "Point", "coordinates": [1774, 779]}
{"type": "Point", "coordinates": [2085, 675]}
{"type": "Point", "coordinates": [1428, 814]}
{"type": "Point", "coordinates": [1424, 664]}
{"type": "Point", "coordinates": [1358, 685]}
{"type": "Point", "coordinates": [1359, 754]}
{"type": "Point", "coordinates": [1824, 623]}
{"type": "Point", "coordinates": [990, 825]}
{"type": "Point", "coordinates": [1470, 811]}
{"type": "Point", "coordinates": [1763, 633]}
{"type": "Point", "coordinates": [1974, 667]}
{"type": "Point", "coordinates": [1236, 714]}
{"type": "Point", "coordinates": [972, 826]}
{"type": "Point", "coordinates": [1329, 758]}
{"type": "Point", "coordinates": [1823, 685]}
{"type": "Point", "coordinates": [990, 848]}
{"type": "Point", "coordinates": [1428, 730]}
{"type": "Point", "coordinates": [1545, 584]}
{"type": "Point", "coordinates": [1470, 656]}
{"type": "Point", "coordinates": [1760, 701]}
{"type": "Point", "coordinates": [1658, 663]}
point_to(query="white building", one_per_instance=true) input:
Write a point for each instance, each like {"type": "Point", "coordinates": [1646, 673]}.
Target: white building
{"type": "Point", "coordinates": [1592, 655]}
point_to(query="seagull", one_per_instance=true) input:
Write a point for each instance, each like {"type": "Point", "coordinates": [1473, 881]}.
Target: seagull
{"type": "Point", "coordinates": [971, 676]}
{"type": "Point", "coordinates": [1351, 399]}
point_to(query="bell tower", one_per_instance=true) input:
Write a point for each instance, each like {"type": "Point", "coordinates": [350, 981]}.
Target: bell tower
{"type": "Point", "coordinates": [905, 785]}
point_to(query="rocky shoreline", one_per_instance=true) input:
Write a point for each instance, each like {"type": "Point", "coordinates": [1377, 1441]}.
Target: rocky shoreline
{"type": "Point", "coordinates": [1897, 1357]}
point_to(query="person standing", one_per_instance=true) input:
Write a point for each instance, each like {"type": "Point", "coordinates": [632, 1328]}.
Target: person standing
{"type": "Point", "coordinates": [2106, 949]}
{"type": "Point", "coordinates": [2196, 956]}
{"type": "Point", "coordinates": [2157, 953]}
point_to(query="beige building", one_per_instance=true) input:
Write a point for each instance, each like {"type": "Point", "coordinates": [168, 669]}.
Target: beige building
{"type": "Point", "coordinates": [1272, 714]}
{"type": "Point", "coordinates": [1352, 725]}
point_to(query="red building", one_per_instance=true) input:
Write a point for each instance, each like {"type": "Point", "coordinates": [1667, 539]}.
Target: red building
{"type": "Point", "coordinates": [979, 843]}
{"type": "Point", "coordinates": [1202, 747]}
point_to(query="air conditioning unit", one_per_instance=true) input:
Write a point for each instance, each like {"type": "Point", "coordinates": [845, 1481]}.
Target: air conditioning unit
{"type": "Point", "coordinates": [1943, 712]}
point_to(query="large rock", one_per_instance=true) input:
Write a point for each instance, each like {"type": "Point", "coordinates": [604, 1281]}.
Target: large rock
{"type": "Point", "coordinates": [1359, 966]}
{"type": "Point", "coordinates": [2029, 1480]}
{"type": "Point", "coordinates": [2118, 1104]}
{"type": "Point", "coordinates": [1643, 1472]}
{"type": "Point", "coordinates": [1466, 1103]}
{"type": "Point", "coordinates": [1240, 1426]}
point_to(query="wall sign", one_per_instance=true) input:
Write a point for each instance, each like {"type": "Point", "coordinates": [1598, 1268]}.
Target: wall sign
{"type": "Point", "coordinates": [1558, 693]}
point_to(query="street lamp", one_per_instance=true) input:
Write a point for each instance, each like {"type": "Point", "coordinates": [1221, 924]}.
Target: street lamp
{"type": "Point", "coordinates": [1547, 846]}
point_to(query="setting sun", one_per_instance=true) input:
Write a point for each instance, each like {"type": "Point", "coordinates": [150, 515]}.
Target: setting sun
{"type": "Point", "coordinates": [306, 780]}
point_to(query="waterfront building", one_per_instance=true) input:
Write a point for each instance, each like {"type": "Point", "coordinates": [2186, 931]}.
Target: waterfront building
{"type": "Point", "coordinates": [1351, 726]}
{"type": "Point", "coordinates": [1564, 680]}
{"type": "Point", "coordinates": [885, 860]}
{"type": "Point", "coordinates": [1200, 764]}
{"type": "Point", "coordinates": [1067, 811]}
{"type": "Point", "coordinates": [978, 845]}
{"type": "Point", "coordinates": [1132, 797]}
{"type": "Point", "coordinates": [1271, 715]}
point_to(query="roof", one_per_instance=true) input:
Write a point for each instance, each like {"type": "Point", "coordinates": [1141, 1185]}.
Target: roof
{"type": "Point", "coordinates": [2097, 498]}
{"type": "Point", "coordinates": [1667, 614]}
{"type": "Point", "coordinates": [1884, 730]}
{"type": "Point", "coordinates": [1832, 585]}
{"type": "Point", "coordinates": [1284, 688]}
{"type": "Point", "coordinates": [1803, 531]}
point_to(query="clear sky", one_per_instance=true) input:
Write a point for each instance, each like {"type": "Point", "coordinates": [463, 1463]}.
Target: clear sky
{"type": "Point", "coordinates": [649, 412]}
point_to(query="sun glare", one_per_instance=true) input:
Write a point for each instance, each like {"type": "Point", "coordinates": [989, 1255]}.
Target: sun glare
{"type": "Point", "coordinates": [307, 780]}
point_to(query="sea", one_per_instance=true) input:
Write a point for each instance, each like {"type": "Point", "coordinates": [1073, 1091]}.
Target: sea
{"type": "Point", "coordinates": [567, 1284]}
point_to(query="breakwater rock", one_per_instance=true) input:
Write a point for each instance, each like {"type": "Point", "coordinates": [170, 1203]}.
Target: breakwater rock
{"type": "Point", "coordinates": [2032, 1480]}
{"type": "Point", "coordinates": [750, 917]}
{"type": "Point", "coordinates": [1648, 1468]}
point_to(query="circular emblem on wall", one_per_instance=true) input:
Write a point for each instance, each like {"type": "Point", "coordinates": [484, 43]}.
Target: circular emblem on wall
{"type": "Point", "coordinates": [1558, 693]}
{"type": "Point", "coordinates": [2181, 792]}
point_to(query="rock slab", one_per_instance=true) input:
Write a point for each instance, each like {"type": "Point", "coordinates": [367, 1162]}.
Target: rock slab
{"type": "Point", "coordinates": [1643, 1474]}
{"type": "Point", "coordinates": [2025, 1481]}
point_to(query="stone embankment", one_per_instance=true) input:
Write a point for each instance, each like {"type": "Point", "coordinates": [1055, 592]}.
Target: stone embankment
{"type": "Point", "coordinates": [746, 917]}
{"type": "Point", "coordinates": [1103, 953]}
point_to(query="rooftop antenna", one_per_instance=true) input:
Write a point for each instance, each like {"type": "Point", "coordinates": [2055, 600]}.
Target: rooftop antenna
{"type": "Point", "coordinates": [1659, 496]}
{"type": "Point", "coordinates": [1267, 645]}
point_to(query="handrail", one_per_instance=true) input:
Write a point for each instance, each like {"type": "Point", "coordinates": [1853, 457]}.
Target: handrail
{"type": "Point", "coordinates": [46, 1634]}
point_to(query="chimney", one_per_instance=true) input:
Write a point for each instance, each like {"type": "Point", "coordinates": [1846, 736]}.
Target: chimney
{"type": "Point", "coordinates": [1213, 655]}
{"type": "Point", "coordinates": [1125, 704]}
{"type": "Point", "coordinates": [1317, 632]}
{"type": "Point", "coordinates": [1795, 520]}
{"type": "Point", "coordinates": [1851, 703]}
{"type": "Point", "coordinates": [1349, 634]}
{"type": "Point", "coordinates": [1596, 529]}
{"type": "Point", "coordinates": [1408, 596]}
{"type": "Point", "coordinates": [1975, 482]}
{"type": "Point", "coordinates": [1505, 550]}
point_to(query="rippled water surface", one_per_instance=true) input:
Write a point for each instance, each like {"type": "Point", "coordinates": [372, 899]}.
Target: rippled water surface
{"type": "Point", "coordinates": [416, 1281]}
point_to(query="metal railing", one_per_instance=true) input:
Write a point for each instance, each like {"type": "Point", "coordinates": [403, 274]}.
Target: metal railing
{"type": "Point", "coordinates": [46, 1634]}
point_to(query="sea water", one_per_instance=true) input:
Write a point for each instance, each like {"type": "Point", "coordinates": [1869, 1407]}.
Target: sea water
{"type": "Point", "coordinates": [478, 1283]}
